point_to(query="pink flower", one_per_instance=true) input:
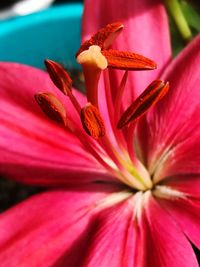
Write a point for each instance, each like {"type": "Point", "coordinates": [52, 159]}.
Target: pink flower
{"type": "Point", "coordinates": [112, 202]}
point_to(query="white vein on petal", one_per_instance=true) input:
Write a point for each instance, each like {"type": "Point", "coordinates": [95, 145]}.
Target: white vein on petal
{"type": "Point", "coordinates": [167, 192]}
{"type": "Point", "coordinates": [112, 199]}
{"type": "Point", "coordinates": [139, 201]}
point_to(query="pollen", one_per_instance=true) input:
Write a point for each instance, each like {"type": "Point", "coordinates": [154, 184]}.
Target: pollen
{"type": "Point", "coordinates": [92, 121]}
{"type": "Point", "coordinates": [93, 57]}
{"type": "Point", "coordinates": [59, 76]}
{"type": "Point", "coordinates": [151, 95]}
{"type": "Point", "coordinates": [51, 107]}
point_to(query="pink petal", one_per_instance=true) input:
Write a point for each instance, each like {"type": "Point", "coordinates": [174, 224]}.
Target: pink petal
{"type": "Point", "coordinates": [167, 245]}
{"type": "Point", "coordinates": [189, 184]}
{"type": "Point", "coordinates": [113, 242]}
{"type": "Point", "coordinates": [54, 228]}
{"type": "Point", "coordinates": [34, 149]}
{"type": "Point", "coordinates": [184, 157]}
{"type": "Point", "coordinates": [145, 32]}
{"type": "Point", "coordinates": [186, 213]}
{"type": "Point", "coordinates": [170, 132]}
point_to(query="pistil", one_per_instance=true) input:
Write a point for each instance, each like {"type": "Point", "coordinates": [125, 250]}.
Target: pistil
{"type": "Point", "coordinates": [93, 62]}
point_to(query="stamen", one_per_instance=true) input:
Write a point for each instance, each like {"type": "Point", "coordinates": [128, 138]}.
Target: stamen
{"type": "Point", "coordinates": [128, 61]}
{"type": "Point", "coordinates": [153, 93]}
{"type": "Point", "coordinates": [119, 95]}
{"type": "Point", "coordinates": [43, 101]}
{"type": "Point", "coordinates": [59, 76]}
{"type": "Point", "coordinates": [113, 109]}
{"type": "Point", "coordinates": [92, 121]}
{"type": "Point", "coordinates": [52, 107]}
{"type": "Point", "coordinates": [103, 38]}
{"type": "Point", "coordinates": [62, 81]}
{"type": "Point", "coordinates": [94, 57]}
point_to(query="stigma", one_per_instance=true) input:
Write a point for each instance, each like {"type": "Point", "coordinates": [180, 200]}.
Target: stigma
{"type": "Point", "coordinates": [93, 57]}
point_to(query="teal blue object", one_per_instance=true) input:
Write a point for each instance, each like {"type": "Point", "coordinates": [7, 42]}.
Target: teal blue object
{"type": "Point", "coordinates": [53, 33]}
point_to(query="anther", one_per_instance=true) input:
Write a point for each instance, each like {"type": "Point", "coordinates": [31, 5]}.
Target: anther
{"type": "Point", "coordinates": [94, 56]}
{"type": "Point", "coordinates": [52, 107]}
{"type": "Point", "coordinates": [153, 93]}
{"type": "Point", "coordinates": [115, 59]}
{"type": "Point", "coordinates": [62, 81]}
{"type": "Point", "coordinates": [59, 76]}
{"type": "Point", "coordinates": [103, 38]}
{"type": "Point", "coordinates": [92, 121]}
{"type": "Point", "coordinates": [128, 61]}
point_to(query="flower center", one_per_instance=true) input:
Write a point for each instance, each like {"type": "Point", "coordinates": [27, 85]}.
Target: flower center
{"type": "Point", "coordinates": [110, 143]}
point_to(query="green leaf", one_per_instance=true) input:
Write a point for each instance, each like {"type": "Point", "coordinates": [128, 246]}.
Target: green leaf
{"type": "Point", "coordinates": [191, 14]}
{"type": "Point", "coordinates": [176, 38]}
{"type": "Point", "coordinates": [193, 19]}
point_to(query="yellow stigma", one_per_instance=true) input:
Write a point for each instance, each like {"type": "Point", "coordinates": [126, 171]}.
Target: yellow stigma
{"type": "Point", "coordinates": [94, 57]}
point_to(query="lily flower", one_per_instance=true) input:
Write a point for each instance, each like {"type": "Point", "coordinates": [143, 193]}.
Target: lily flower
{"type": "Point", "coordinates": [121, 166]}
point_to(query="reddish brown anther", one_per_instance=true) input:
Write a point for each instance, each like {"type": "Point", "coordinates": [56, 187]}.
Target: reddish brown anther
{"type": "Point", "coordinates": [51, 106]}
{"type": "Point", "coordinates": [92, 121]}
{"type": "Point", "coordinates": [127, 61]}
{"type": "Point", "coordinates": [59, 76]}
{"type": "Point", "coordinates": [103, 38]}
{"type": "Point", "coordinates": [116, 59]}
{"type": "Point", "coordinates": [153, 93]}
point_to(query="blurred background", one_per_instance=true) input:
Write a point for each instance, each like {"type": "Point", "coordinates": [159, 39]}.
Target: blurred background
{"type": "Point", "coordinates": [8, 3]}
{"type": "Point", "coordinates": [11, 8]}
{"type": "Point", "coordinates": [33, 30]}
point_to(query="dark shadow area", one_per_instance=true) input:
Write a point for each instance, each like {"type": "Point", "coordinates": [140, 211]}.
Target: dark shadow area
{"type": "Point", "coordinates": [12, 192]}
{"type": "Point", "coordinates": [67, 1]}
{"type": "Point", "coordinates": [196, 3]}
{"type": "Point", "coordinates": [197, 252]}
{"type": "Point", "coordinates": [7, 3]}
{"type": "Point", "coordinates": [77, 79]}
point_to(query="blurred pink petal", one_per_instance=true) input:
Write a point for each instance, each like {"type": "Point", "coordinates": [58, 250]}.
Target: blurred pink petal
{"type": "Point", "coordinates": [32, 147]}
{"type": "Point", "coordinates": [52, 227]}
{"type": "Point", "coordinates": [163, 234]}
{"type": "Point", "coordinates": [186, 214]}
{"type": "Point", "coordinates": [189, 184]}
{"type": "Point", "coordinates": [113, 241]}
